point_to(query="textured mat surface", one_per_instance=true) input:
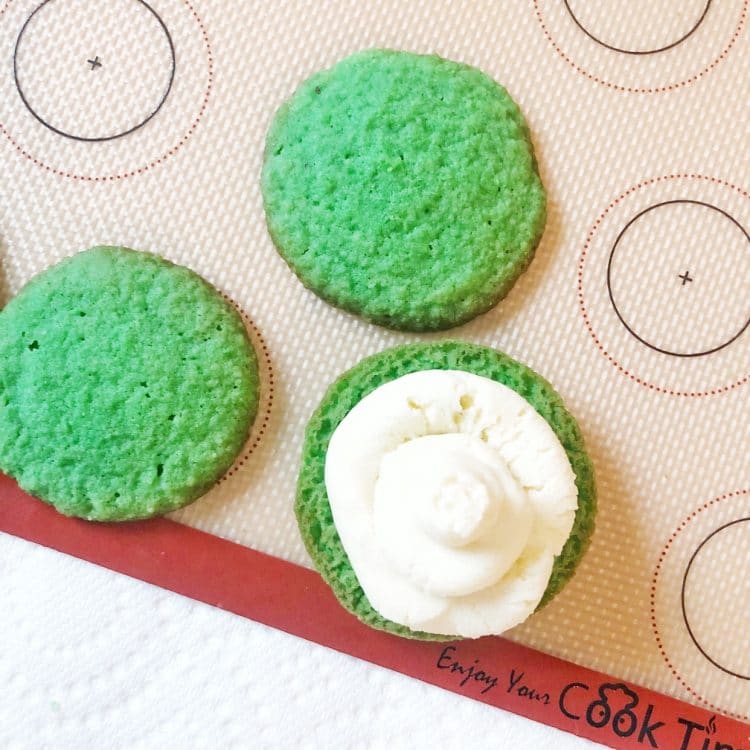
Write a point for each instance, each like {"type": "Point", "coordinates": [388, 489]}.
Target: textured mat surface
{"type": "Point", "coordinates": [645, 260]}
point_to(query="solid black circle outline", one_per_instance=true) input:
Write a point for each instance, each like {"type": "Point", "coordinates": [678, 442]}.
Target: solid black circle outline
{"type": "Point", "coordinates": [682, 598]}
{"type": "Point", "coordinates": [100, 139]}
{"type": "Point", "coordinates": [634, 51]}
{"type": "Point", "coordinates": [609, 279]}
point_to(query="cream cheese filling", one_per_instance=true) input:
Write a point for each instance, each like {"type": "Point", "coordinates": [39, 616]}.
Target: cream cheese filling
{"type": "Point", "coordinates": [452, 497]}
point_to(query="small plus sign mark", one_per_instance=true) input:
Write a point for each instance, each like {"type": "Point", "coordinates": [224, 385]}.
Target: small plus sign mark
{"type": "Point", "coordinates": [95, 63]}
{"type": "Point", "coordinates": [685, 278]}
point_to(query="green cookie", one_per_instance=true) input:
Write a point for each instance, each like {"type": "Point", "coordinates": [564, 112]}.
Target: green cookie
{"type": "Point", "coordinates": [404, 188]}
{"type": "Point", "coordinates": [314, 511]}
{"type": "Point", "coordinates": [127, 386]}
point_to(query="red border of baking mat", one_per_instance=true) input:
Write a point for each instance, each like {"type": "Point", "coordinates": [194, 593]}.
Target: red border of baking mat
{"type": "Point", "coordinates": [492, 670]}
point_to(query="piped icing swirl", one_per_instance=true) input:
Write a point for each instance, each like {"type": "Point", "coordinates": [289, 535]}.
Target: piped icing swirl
{"type": "Point", "coordinates": [452, 497]}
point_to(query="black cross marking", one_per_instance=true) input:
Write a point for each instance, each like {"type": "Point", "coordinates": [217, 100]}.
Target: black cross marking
{"type": "Point", "coordinates": [95, 63]}
{"type": "Point", "coordinates": [685, 278]}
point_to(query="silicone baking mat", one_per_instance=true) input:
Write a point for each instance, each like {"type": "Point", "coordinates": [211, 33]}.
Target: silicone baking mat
{"type": "Point", "coordinates": [143, 124]}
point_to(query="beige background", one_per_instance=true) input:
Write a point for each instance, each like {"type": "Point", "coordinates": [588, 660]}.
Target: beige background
{"type": "Point", "coordinates": [193, 196]}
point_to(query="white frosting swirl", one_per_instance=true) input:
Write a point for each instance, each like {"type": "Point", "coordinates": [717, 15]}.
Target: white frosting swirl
{"type": "Point", "coordinates": [452, 496]}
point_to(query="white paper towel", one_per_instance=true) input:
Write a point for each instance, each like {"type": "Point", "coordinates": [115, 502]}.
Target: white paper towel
{"type": "Point", "coordinates": [90, 659]}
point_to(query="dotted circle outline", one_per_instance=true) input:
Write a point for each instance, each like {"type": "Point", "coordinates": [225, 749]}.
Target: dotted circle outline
{"type": "Point", "coordinates": [154, 162]}
{"type": "Point", "coordinates": [267, 395]}
{"type": "Point", "coordinates": [582, 302]}
{"type": "Point", "coordinates": [644, 89]}
{"type": "Point", "coordinates": [652, 597]}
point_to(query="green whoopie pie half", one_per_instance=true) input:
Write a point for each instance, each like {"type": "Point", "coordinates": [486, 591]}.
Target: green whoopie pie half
{"type": "Point", "coordinates": [128, 385]}
{"type": "Point", "coordinates": [404, 188]}
{"type": "Point", "coordinates": [313, 509]}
